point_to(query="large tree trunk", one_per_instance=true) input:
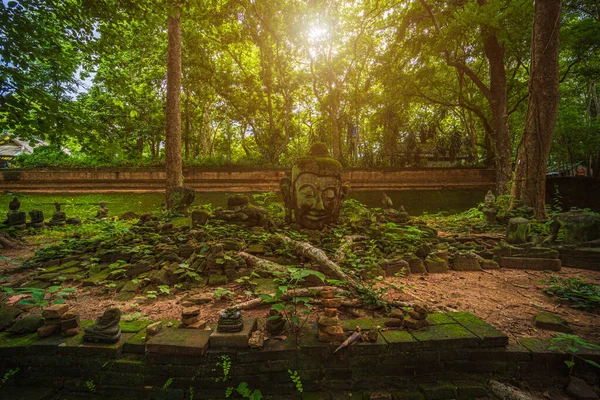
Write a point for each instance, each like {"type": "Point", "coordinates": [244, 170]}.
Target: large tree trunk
{"type": "Point", "coordinates": [529, 185]}
{"type": "Point", "coordinates": [498, 101]}
{"type": "Point", "coordinates": [173, 167]}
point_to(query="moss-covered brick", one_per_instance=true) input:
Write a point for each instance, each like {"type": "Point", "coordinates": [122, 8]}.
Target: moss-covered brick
{"type": "Point", "coordinates": [551, 322]}
{"type": "Point", "coordinates": [364, 323]}
{"type": "Point", "coordinates": [136, 344]}
{"type": "Point", "coordinates": [95, 279]}
{"type": "Point", "coordinates": [46, 346]}
{"type": "Point", "coordinates": [471, 389]}
{"type": "Point", "coordinates": [134, 326]}
{"type": "Point", "coordinates": [14, 345]}
{"type": "Point", "coordinates": [438, 391]}
{"type": "Point", "coordinates": [408, 395]}
{"type": "Point", "coordinates": [316, 396]}
{"type": "Point", "coordinates": [77, 347]}
{"type": "Point", "coordinates": [491, 336]}
{"type": "Point", "coordinates": [400, 340]}
{"type": "Point", "coordinates": [439, 319]}
{"type": "Point", "coordinates": [446, 336]}
{"type": "Point", "coordinates": [540, 349]}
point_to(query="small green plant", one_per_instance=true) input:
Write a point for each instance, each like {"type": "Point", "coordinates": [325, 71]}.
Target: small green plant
{"type": "Point", "coordinates": [91, 386]}
{"type": "Point", "coordinates": [221, 293]}
{"type": "Point", "coordinates": [164, 289]}
{"type": "Point", "coordinates": [225, 363]}
{"type": "Point", "coordinates": [8, 374]}
{"type": "Point", "coordinates": [244, 391]}
{"type": "Point", "coordinates": [572, 344]}
{"type": "Point", "coordinates": [296, 379]}
{"type": "Point", "coordinates": [168, 383]}
{"type": "Point", "coordinates": [582, 294]}
{"type": "Point", "coordinates": [38, 296]}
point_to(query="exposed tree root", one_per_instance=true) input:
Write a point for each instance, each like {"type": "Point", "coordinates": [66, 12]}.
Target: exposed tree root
{"type": "Point", "coordinates": [7, 243]}
{"type": "Point", "coordinates": [347, 242]}
{"type": "Point", "coordinates": [261, 264]}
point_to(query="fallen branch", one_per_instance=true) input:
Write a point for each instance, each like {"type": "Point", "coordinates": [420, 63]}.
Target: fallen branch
{"type": "Point", "coordinates": [328, 267]}
{"type": "Point", "coordinates": [262, 264]}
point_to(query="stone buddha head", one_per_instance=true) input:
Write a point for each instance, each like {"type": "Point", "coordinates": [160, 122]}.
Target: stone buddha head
{"type": "Point", "coordinates": [315, 191]}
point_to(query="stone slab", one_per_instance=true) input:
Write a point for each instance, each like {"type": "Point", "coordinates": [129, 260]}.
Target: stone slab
{"type": "Point", "coordinates": [76, 346]}
{"type": "Point", "coordinates": [46, 346]}
{"type": "Point", "coordinates": [535, 264]}
{"type": "Point", "coordinates": [490, 336]}
{"type": "Point", "coordinates": [446, 335]}
{"type": "Point", "coordinates": [234, 339]}
{"type": "Point", "coordinates": [189, 342]}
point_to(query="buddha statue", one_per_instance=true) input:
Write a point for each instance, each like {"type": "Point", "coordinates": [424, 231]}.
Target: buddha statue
{"type": "Point", "coordinates": [102, 211]}
{"type": "Point", "coordinates": [489, 208]}
{"type": "Point", "coordinates": [314, 192]}
{"type": "Point", "coordinates": [37, 219]}
{"type": "Point", "coordinates": [106, 329]}
{"type": "Point", "coordinates": [59, 217]}
{"type": "Point", "coordinates": [15, 218]}
{"type": "Point", "coordinates": [230, 320]}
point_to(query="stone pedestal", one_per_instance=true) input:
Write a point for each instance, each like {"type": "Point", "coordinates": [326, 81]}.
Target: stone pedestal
{"type": "Point", "coordinates": [234, 339]}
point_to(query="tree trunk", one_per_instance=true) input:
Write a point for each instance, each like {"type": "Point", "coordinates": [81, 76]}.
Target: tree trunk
{"type": "Point", "coordinates": [187, 123]}
{"type": "Point", "coordinates": [173, 167]}
{"type": "Point", "coordinates": [529, 185]}
{"type": "Point", "coordinates": [498, 101]}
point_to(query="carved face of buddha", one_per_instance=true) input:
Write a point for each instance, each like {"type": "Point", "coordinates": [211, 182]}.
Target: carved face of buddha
{"type": "Point", "coordinates": [317, 200]}
{"type": "Point", "coordinates": [315, 192]}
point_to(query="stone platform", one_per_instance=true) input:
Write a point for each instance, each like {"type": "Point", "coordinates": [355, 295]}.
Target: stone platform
{"type": "Point", "coordinates": [451, 357]}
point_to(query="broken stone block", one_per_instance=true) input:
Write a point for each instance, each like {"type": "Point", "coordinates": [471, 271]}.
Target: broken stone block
{"type": "Point", "coordinates": [552, 322]}
{"type": "Point", "coordinates": [580, 389]}
{"type": "Point", "coordinates": [465, 261]}
{"type": "Point", "coordinates": [435, 265]}
{"type": "Point", "coordinates": [55, 311]}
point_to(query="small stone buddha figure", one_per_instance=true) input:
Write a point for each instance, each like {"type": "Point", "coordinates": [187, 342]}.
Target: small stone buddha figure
{"type": "Point", "coordinates": [230, 320]}
{"type": "Point", "coordinates": [489, 208]}
{"type": "Point", "coordinates": [106, 329]}
{"type": "Point", "coordinates": [59, 217]}
{"type": "Point", "coordinates": [15, 218]}
{"type": "Point", "coordinates": [102, 211]}
{"type": "Point", "coordinates": [315, 191]}
{"type": "Point", "coordinates": [37, 219]}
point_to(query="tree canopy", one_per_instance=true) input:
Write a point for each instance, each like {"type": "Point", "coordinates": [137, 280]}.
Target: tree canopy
{"type": "Point", "coordinates": [383, 83]}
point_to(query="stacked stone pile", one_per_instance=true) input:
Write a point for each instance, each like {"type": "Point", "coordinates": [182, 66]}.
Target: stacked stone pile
{"type": "Point", "coordinates": [328, 325]}
{"type": "Point", "coordinates": [417, 317]}
{"type": "Point", "coordinates": [396, 319]}
{"type": "Point", "coordinates": [190, 319]}
{"type": "Point", "coordinates": [58, 318]}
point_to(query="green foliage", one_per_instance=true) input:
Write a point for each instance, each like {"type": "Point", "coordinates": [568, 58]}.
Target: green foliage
{"type": "Point", "coordinates": [572, 344]}
{"type": "Point", "coordinates": [8, 374]}
{"type": "Point", "coordinates": [221, 293]}
{"type": "Point", "coordinates": [294, 309]}
{"type": "Point", "coordinates": [575, 290]}
{"type": "Point", "coordinates": [38, 298]}
{"type": "Point", "coordinates": [296, 379]}
{"type": "Point", "coordinates": [91, 386]}
{"type": "Point", "coordinates": [168, 383]}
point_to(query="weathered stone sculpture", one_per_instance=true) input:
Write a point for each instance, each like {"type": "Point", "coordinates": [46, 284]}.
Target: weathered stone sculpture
{"type": "Point", "coordinates": [102, 211]}
{"type": "Point", "coordinates": [230, 320]}
{"type": "Point", "coordinates": [59, 218]}
{"type": "Point", "coordinates": [199, 218]}
{"type": "Point", "coordinates": [489, 208]}
{"type": "Point", "coordinates": [15, 218]}
{"type": "Point", "coordinates": [517, 231]}
{"type": "Point", "coordinates": [390, 213]}
{"type": "Point", "coordinates": [106, 329]}
{"type": "Point", "coordinates": [315, 191]}
{"type": "Point", "coordinates": [240, 212]}
{"type": "Point", "coordinates": [181, 198]}
{"type": "Point", "coordinates": [37, 219]}
{"type": "Point", "coordinates": [579, 227]}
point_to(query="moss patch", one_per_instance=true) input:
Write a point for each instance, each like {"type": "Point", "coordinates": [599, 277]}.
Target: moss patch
{"type": "Point", "coordinates": [8, 340]}
{"type": "Point", "coordinates": [134, 326]}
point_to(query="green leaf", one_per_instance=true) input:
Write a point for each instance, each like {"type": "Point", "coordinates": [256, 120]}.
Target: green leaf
{"type": "Point", "coordinates": [58, 301]}
{"type": "Point", "coordinates": [278, 307]}
{"type": "Point", "coordinates": [595, 364]}
{"type": "Point", "coordinates": [569, 364]}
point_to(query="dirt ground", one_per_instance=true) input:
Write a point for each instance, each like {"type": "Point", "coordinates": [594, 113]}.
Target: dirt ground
{"type": "Point", "coordinates": [507, 299]}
